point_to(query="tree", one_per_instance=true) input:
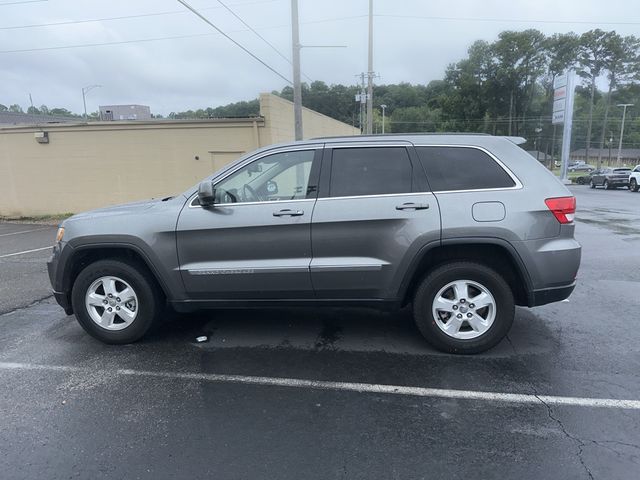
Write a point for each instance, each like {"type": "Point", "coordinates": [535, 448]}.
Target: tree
{"type": "Point", "coordinates": [621, 63]}
{"type": "Point", "coordinates": [3, 108]}
{"type": "Point", "coordinates": [15, 108]}
{"type": "Point", "coordinates": [592, 56]}
{"type": "Point", "coordinates": [520, 61]}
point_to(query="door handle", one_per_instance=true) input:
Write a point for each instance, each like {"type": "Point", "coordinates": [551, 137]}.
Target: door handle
{"type": "Point", "coordinates": [287, 212]}
{"type": "Point", "coordinates": [412, 206]}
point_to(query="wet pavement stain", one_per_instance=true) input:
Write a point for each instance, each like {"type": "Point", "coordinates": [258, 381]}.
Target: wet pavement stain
{"type": "Point", "coordinates": [329, 334]}
{"type": "Point", "coordinates": [616, 225]}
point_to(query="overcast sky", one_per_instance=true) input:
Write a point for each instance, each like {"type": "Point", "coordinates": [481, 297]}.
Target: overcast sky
{"type": "Point", "coordinates": [205, 69]}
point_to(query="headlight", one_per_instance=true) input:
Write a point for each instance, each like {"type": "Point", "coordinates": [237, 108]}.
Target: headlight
{"type": "Point", "coordinates": [60, 234]}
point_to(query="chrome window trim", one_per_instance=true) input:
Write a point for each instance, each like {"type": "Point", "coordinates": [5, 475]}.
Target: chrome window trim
{"type": "Point", "coordinates": [255, 158]}
{"type": "Point", "coordinates": [265, 202]}
{"type": "Point", "coordinates": [516, 180]}
{"type": "Point", "coordinates": [376, 196]}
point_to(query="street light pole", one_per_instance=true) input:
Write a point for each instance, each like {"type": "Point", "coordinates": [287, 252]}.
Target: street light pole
{"type": "Point", "coordinates": [297, 86]}
{"type": "Point", "coordinates": [370, 73]}
{"type": "Point", "coordinates": [383, 107]}
{"type": "Point", "coordinates": [86, 90]}
{"type": "Point", "coordinates": [624, 113]}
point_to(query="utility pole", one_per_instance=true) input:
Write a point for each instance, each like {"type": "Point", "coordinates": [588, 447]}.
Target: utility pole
{"type": "Point", "coordinates": [383, 107]}
{"type": "Point", "coordinates": [297, 87]}
{"type": "Point", "coordinates": [370, 73]}
{"type": "Point", "coordinates": [86, 90]}
{"type": "Point", "coordinates": [624, 114]}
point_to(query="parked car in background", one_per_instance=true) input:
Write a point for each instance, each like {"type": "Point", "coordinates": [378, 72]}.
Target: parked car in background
{"type": "Point", "coordinates": [583, 167]}
{"type": "Point", "coordinates": [611, 178]}
{"type": "Point", "coordinates": [463, 227]}
{"type": "Point", "coordinates": [586, 179]}
{"type": "Point", "coordinates": [634, 179]}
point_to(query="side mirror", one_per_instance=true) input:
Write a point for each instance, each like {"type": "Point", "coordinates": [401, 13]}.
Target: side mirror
{"type": "Point", "coordinates": [206, 193]}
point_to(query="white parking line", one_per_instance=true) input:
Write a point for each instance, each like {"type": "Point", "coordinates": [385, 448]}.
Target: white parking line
{"type": "Point", "coordinates": [517, 398]}
{"type": "Point", "coordinates": [25, 252]}
{"type": "Point", "coordinates": [24, 231]}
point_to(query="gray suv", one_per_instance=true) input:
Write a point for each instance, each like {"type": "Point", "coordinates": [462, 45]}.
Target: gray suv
{"type": "Point", "coordinates": [463, 227]}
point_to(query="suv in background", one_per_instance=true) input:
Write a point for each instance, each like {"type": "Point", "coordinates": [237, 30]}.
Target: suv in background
{"type": "Point", "coordinates": [464, 227]}
{"type": "Point", "coordinates": [610, 178]}
{"type": "Point", "coordinates": [634, 179]}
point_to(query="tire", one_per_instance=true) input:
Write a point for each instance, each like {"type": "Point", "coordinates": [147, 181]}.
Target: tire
{"type": "Point", "coordinates": [633, 185]}
{"type": "Point", "coordinates": [592, 184]}
{"type": "Point", "coordinates": [467, 340]}
{"type": "Point", "coordinates": [580, 181]}
{"type": "Point", "coordinates": [606, 185]}
{"type": "Point", "coordinates": [136, 314]}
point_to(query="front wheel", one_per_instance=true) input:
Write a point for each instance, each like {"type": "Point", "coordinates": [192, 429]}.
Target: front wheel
{"type": "Point", "coordinates": [633, 185]}
{"type": "Point", "coordinates": [115, 302]}
{"type": "Point", "coordinates": [592, 184]}
{"type": "Point", "coordinates": [463, 307]}
{"type": "Point", "coordinates": [606, 185]}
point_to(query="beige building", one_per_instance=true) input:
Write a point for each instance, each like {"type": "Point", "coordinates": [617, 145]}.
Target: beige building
{"type": "Point", "coordinates": [67, 168]}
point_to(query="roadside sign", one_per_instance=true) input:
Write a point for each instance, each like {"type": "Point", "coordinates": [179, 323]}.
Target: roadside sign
{"type": "Point", "coordinates": [557, 117]}
{"type": "Point", "coordinates": [559, 105]}
{"type": "Point", "coordinates": [562, 113]}
{"type": "Point", "coordinates": [560, 80]}
{"type": "Point", "coordinates": [560, 92]}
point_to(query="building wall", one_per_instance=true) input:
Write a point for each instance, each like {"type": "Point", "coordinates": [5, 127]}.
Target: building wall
{"type": "Point", "coordinates": [278, 113]}
{"type": "Point", "coordinates": [86, 166]}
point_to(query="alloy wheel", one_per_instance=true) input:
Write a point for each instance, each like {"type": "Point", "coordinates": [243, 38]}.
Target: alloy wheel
{"type": "Point", "coordinates": [464, 309]}
{"type": "Point", "coordinates": [111, 303]}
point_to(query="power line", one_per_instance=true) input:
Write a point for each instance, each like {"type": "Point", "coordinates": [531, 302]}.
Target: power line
{"type": "Point", "coordinates": [258, 35]}
{"type": "Point", "coordinates": [143, 40]}
{"type": "Point", "coordinates": [123, 17]}
{"type": "Point", "coordinates": [506, 20]}
{"type": "Point", "coordinates": [62, 47]}
{"type": "Point", "coordinates": [204, 19]}
{"type": "Point", "coordinates": [23, 2]}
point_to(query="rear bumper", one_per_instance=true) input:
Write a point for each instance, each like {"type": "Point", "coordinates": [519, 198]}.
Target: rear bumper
{"type": "Point", "coordinates": [550, 295]}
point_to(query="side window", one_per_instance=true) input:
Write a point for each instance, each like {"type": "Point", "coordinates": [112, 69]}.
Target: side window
{"type": "Point", "coordinates": [462, 168]}
{"type": "Point", "coordinates": [370, 171]}
{"type": "Point", "coordinates": [281, 176]}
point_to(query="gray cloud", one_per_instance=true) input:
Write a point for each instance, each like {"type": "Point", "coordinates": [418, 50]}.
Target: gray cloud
{"type": "Point", "coordinates": [208, 70]}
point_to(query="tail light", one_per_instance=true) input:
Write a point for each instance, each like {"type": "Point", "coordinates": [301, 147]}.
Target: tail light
{"type": "Point", "coordinates": [563, 208]}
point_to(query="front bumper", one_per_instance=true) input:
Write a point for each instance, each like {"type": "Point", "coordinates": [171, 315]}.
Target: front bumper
{"type": "Point", "coordinates": [54, 269]}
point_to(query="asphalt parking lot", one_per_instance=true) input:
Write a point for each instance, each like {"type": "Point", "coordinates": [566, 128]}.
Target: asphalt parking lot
{"type": "Point", "coordinates": [334, 393]}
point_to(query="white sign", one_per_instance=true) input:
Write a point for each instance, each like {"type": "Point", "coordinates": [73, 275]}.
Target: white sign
{"type": "Point", "coordinates": [560, 80]}
{"type": "Point", "coordinates": [559, 105]}
{"type": "Point", "coordinates": [557, 117]}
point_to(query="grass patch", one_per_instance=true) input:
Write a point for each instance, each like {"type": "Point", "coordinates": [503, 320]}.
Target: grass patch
{"type": "Point", "coordinates": [51, 219]}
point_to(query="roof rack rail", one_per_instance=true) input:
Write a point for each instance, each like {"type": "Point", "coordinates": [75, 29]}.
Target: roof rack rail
{"type": "Point", "coordinates": [413, 134]}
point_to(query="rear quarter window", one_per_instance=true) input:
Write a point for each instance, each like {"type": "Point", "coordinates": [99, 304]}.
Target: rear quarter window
{"type": "Point", "coordinates": [462, 168]}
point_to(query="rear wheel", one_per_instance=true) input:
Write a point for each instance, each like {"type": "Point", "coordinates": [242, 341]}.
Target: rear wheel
{"type": "Point", "coordinates": [115, 302]}
{"type": "Point", "coordinates": [463, 307]}
{"type": "Point", "coordinates": [633, 185]}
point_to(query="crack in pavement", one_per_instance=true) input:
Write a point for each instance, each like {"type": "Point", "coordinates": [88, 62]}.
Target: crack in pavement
{"type": "Point", "coordinates": [577, 440]}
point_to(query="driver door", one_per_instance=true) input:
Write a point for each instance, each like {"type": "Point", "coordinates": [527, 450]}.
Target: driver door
{"type": "Point", "coordinates": [255, 241]}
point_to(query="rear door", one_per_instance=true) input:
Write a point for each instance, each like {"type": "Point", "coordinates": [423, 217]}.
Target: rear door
{"type": "Point", "coordinates": [373, 214]}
